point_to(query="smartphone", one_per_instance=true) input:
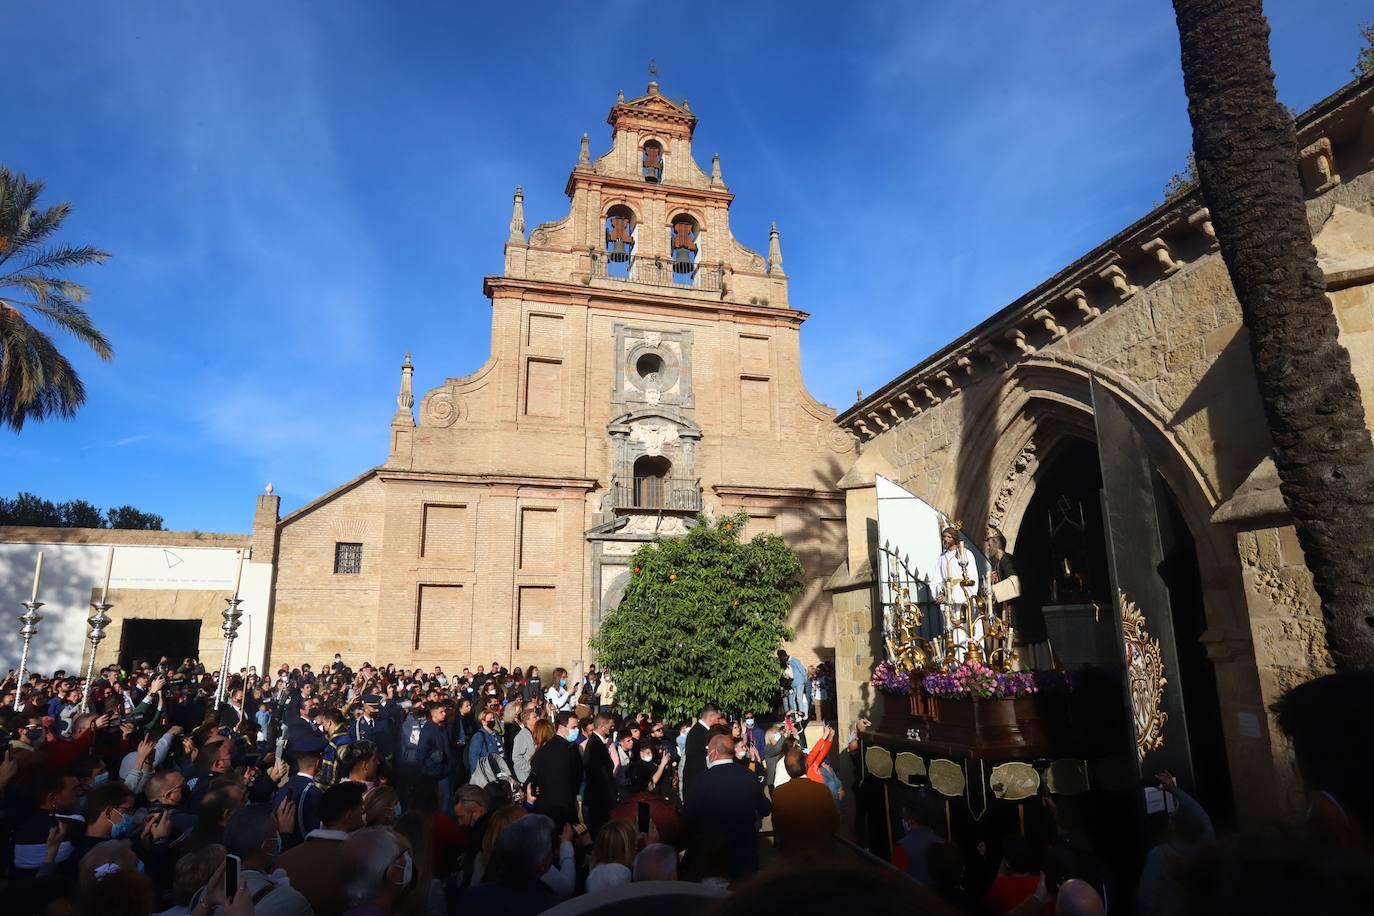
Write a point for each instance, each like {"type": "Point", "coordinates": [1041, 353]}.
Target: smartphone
{"type": "Point", "coordinates": [643, 817]}
{"type": "Point", "coordinates": [281, 746]}
{"type": "Point", "coordinates": [231, 876]}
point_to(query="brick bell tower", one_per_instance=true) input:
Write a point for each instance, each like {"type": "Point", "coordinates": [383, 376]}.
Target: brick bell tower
{"type": "Point", "coordinates": [644, 368]}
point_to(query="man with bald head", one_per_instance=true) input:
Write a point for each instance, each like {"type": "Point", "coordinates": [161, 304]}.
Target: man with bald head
{"type": "Point", "coordinates": [722, 814]}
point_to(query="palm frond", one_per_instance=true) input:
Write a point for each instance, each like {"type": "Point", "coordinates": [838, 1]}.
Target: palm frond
{"type": "Point", "coordinates": [36, 381]}
{"type": "Point", "coordinates": [73, 319]}
{"type": "Point", "coordinates": [62, 257]}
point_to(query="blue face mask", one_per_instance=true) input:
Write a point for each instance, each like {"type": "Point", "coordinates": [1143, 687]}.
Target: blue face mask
{"type": "Point", "coordinates": [123, 828]}
{"type": "Point", "coordinates": [562, 682]}
{"type": "Point", "coordinates": [100, 779]}
{"type": "Point", "coordinates": [748, 723]}
{"type": "Point", "coordinates": [397, 809]}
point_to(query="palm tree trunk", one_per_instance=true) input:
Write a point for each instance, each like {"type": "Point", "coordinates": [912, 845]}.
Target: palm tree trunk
{"type": "Point", "coordinates": [1246, 150]}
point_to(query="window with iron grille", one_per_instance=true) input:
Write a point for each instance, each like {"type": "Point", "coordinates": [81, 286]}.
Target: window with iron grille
{"type": "Point", "coordinates": [348, 558]}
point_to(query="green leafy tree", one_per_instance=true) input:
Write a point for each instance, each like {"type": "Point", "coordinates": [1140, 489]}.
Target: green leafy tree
{"type": "Point", "coordinates": [129, 518]}
{"type": "Point", "coordinates": [78, 513]}
{"type": "Point", "coordinates": [36, 380]}
{"type": "Point", "coordinates": [28, 509]}
{"type": "Point", "coordinates": [702, 621]}
{"type": "Point", "coordinates": [1181, 183]}
{"type": "Point", "coordinates": [1364, 58]}
{"type": "Point", "coordinates": [34, 511]}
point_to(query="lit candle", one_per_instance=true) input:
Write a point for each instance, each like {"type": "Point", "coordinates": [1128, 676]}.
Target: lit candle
{"type": "Point", "coordinates": [109, 565]}
{"type": "Point", "coordinates": [37, 575]}
{"type": "Point", "coordinates": [238, 574]}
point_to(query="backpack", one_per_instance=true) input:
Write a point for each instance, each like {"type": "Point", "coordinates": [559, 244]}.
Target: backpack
{"type": "Point", "coordinates": [494, 767]}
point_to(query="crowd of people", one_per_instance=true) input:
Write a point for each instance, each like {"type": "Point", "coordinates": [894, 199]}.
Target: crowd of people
{"type": "Point", "coordinates": [381, 790]}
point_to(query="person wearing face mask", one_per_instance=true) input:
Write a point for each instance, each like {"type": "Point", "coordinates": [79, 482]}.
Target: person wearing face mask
{"type": "Point", "coordinates": [646, 780]}
{"type": "Point", "coordinates": [381, 869]}
{"type": "Point", "coordinates": [560, 698]}
{"type": "Point", "coordinates": [487, 741]}
{"type": "Point", "coordinates": [252, 835]}
{"type": "Point", "coordinates": [109, 813]}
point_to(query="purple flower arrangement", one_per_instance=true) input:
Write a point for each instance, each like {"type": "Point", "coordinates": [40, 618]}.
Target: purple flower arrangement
{"type": "Point", "coordinates": [974, 679]}
{"type": "Point", "coordinates": [887, 677]}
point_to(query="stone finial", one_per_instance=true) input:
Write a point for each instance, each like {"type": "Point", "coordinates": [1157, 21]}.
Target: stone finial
{"type": "Point", "coordinates": [620, 95]}
{"type": "Point", "coordinates": [653, 87]}
{"type": "Point", "coordinates": [584, 155]}
{"type": "Point", "coordinates": [686, 105]}
{"type": "Point", "coordinates": [774, 250]}
{"type": "Point", "coordinates": [269, 488]}
{"type": "Point", "coordinates": [1018, 339]}
{"type": "Point", "coordinates": [1056, 329]}
{"type": "Point", "coordinates": [1117, 278]}
{"type": "Point", "coordinates": [1079, 300]}
{"type": "Point", "coordinates": [405, 398]}
{"type": "Point", "coordinates": [517, 216]}
{"type": "Point", "coordinates": [1160, 249]}
{"type": "Point", "coordinates": [716, 180]}
{"type": "Point", "coordinates": [858, 395]}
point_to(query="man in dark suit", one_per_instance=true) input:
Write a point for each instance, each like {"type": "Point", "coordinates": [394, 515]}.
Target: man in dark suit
{"type": "Point", "coordinates": [722, 814]}
{"type": "Point", "coordinates": [231, 710]}
{"type": "Point", "coordinates": [556, 770]}
{"type": "Point", "coordinates": [694, 763]}
{"type": "Point", "coordinates": [600, 795]}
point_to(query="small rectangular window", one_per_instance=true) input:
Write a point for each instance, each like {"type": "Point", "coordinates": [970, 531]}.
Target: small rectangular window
{"type": "Point", "coordinates": [348, 558]}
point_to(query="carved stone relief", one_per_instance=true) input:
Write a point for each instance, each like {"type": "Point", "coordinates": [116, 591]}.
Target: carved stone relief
{"type": "Point", "coordinates": [653, 367]}
{"type": "Point", "coordinates": [443, 409]}
{"type": "Point", "coordinates": [1010, 484]}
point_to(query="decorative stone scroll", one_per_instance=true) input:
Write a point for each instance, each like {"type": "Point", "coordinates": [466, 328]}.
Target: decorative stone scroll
{"type": "Point", "coordinates": [1319, 166]}
{"type": "Point", "coordinates": [1045, 316]}
{"type": "Point", "coordinates": [1080, 302]}
{"type": "Point", "coordinates": [1160, 249]}
{"type": "Point", "coordinates": [1117, 278]}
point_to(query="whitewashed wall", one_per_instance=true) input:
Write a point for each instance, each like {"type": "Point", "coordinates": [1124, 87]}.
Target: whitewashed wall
{"type": "Point", "coordinates": [70, 571]}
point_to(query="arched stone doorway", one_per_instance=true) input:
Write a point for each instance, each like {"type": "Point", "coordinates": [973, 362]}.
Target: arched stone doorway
{"type": "Point", "coordinates": [1040, 437]}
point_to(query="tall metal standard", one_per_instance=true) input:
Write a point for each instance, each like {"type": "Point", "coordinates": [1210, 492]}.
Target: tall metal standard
{"type": "Point", "coordinates": [232, 617]}
{"type": "Point", "coordinates": [29, 619]}
{"type": "Point", "coordinates": [98, 622]}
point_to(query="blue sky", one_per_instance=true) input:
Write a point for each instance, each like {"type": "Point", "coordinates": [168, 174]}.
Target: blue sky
{"type": "Point", "coordinates": [296, 193]}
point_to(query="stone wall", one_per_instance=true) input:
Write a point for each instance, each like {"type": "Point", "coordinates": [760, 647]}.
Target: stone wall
{"type": "Point", "coordinates": [1151, 315]}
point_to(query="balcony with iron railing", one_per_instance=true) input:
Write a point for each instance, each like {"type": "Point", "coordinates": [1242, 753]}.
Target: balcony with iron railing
{"type": "Point", "coordinates": [655, 270]}
{"type": "Point", "coordinates": [673, 494]}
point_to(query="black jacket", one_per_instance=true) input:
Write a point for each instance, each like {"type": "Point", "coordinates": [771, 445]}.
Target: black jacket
{"type": "Point", "coordinates": [600, 795]}
{"type": "Point", "coordinates": [556, 768]}
{"type": "Point", "coordinates": [722, 813]}
{"type": "Point", "coordinates": [694, 761]}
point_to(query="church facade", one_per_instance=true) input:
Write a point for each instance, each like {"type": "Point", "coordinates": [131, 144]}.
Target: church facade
{"type": "Point", "coordinates": [644, 367]}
